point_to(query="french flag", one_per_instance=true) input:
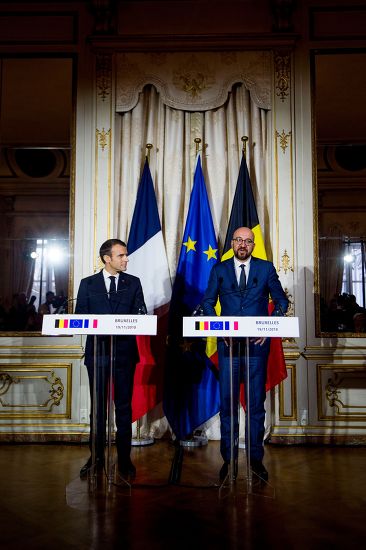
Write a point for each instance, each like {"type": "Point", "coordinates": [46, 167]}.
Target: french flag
{"type": "Point", "coordinates": [148, 261]}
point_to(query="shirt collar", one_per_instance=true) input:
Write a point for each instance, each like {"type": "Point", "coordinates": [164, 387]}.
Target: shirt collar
{"type": "Point", "coordinates": [106, 276]}
{"type": "Point", "coordinates": [237, 263]}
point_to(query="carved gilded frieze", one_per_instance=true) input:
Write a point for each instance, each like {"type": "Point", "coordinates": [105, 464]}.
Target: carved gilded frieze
{"type": "Point", "coordinates": [291, 306]}
{"type": "Point", "coordinates": [103, 138]}
{"type": "Point", "coordinates": [284, 139]}
{"type": "Point", "coordinates": [282, 62]}
{"type": "Point", "coordinates": [193, 78]}
{"type": "Point", "coordinates": [104, 76]}
{"type": "Point", "coordinates": [285, 263]}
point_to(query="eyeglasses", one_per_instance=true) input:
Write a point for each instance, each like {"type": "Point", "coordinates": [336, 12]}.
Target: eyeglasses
{"type": "Point", "coordinates": [239, 240]}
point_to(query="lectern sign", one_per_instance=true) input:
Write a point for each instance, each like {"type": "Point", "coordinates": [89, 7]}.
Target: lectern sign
{"type": "Point", "coordinates": [62, 325]}
{"type": "Point", "coordinates": [241, 326]}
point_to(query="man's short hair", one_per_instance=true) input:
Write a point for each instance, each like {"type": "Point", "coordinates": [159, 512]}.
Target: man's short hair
{"type": "Point", "coordinates": [106, 248]}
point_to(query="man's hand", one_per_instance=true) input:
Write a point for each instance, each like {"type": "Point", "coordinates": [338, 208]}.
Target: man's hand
{"type": "Point", "coordinates": [256, 341]}
{"type": "Point", "coordinates": [259, 341]}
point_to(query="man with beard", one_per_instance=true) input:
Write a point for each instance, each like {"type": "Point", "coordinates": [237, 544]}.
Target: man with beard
{"type": "Point", "coordinates": [243, 285]}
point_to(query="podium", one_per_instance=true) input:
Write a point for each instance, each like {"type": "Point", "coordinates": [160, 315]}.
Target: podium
{"type": "Point", "coordinates": [99, 325]}
{"type": "Point", "coordinates": [240, 327]}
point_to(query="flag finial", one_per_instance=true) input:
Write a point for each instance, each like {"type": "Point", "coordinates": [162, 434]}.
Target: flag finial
{"type": "Point", "coordinates": [149, 146]}
{"type": "Point", "coordinates": [244, 140]}
{"type": "Point", "coordinates": [197, 142]}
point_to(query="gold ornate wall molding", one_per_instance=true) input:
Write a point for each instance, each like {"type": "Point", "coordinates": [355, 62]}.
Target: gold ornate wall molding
{"type": "Point", "coordinates": [285, 263]}
{"type": "Point", "coordinates": [288, 399]}
{"type": "Point", "coordinates": [284, 139]}
{"type": "Point", "coordinates": [104, 76]}
{"type": "Point", "coordinates": [341, 391]}
{"type": "Point", "coordinates": [103, 138]}
{"type": "Point", "coordinates": [291, 304]}
{"type": "Point", "coordinates": [35, 391]}
{"type": "Point", "coordinates": [282, 62]}
{"type": "Point", "coordinates": [192, 81]}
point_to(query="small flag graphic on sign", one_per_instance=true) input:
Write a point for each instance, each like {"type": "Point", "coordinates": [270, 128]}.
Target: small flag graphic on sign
{"type": "Point", "coordinates": [216, 325]}
{"type": "Point", "coordinates": [76, 323]}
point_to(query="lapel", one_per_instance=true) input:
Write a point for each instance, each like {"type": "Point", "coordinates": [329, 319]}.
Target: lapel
{"type": "Point", "coordinates": [231, 273]}
{"type": "Point", "coordinates": [121, 289]}
{"type": "Point", "coordinates": [100, 289]}
{"type": "Point", "coordinates": [253, 272]}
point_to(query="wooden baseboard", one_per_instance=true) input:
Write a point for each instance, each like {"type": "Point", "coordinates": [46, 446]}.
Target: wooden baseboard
{"type": "Point", "coordinates": [43, 438]}
{"type": "Point", "coordinates": [317, 440]}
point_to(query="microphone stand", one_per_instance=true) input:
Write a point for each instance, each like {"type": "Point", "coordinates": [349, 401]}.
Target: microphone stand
{"type": "Point", "coordinates": [92, 472]}
{"type": "Point", "coordinates": [232, 441]}
{"type": "Point", "coordinates": [247, 400]}
{"type": "Point", "coordinates": [139, 440]}
{"type": "Point", "coordinates": [109, 465]}
{"type": "Point", "coordinates": [198, 438]}
{"type": "Point", "coordinates": [195, 441]}
{"type": "Point", "coordinates": [231, 475]}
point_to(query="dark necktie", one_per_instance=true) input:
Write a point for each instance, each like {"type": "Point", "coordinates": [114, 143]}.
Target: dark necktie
{"type": "Point", "coordinates": [243, 279]}
{"type": "Point", "coordinates": [113, 289]}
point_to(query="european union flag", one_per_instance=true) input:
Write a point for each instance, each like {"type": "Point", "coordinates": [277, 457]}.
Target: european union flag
{"type": "Point", "coordinates": [216, 325]}
{"type": "Point", "coordinates": [191, 392]}
{"type": "Point", "coordinates": [76, 323]}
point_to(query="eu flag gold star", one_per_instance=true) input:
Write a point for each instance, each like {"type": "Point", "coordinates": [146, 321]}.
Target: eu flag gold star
{"type": "Point", "coordinates": [211, 252]}
{"type": "Point", "coordinates": [190, 244]}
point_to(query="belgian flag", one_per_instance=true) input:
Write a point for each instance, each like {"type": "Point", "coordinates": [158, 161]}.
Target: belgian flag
{"type": "Point", "coordinates": [244, 214]}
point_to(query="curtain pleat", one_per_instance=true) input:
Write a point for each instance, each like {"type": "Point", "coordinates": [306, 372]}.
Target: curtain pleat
{"type": "Point", "coordinates": [172, 162]}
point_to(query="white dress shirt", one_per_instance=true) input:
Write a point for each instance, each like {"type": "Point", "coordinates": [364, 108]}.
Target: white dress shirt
{"type": "Point", "coordinates": [237, 265]}
{"type": "Point", "coordinates": [107, 280]}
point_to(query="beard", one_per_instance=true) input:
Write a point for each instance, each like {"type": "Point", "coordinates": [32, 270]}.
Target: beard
{"type": "Point", "coordinates": [242, 254]}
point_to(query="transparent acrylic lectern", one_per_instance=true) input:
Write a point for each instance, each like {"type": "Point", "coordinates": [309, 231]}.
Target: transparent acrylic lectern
{"type": "Point", "coordinates": [98, 325]}
{"type": "Point", "coordinates": [245, 328]}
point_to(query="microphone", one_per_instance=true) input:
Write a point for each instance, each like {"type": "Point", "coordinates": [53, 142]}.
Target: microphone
{"type": "Point", "coordinates": [245, 290]}
{"type": "Point", "coordinates": [63, 307]}
{"type": "Point", "coordinates": [142, 310]}
{"type": "Point", "coordinates": [235, 289]}
{"type": "Point", "coordinates": [278, 310]}
{"type": "Point", "coordinates": [198, 311]}
{"type": "Point", "coordinates": [83, 302]}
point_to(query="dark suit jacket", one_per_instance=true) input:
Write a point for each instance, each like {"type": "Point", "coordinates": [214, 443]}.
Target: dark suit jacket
{"type": "Point", "coordinates": [93, 298]}
{"type": "Point", "coordinates": [253, 301]}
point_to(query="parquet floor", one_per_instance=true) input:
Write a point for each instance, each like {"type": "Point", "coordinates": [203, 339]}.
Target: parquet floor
{"type": "Point", "coordinates": [319, 501]}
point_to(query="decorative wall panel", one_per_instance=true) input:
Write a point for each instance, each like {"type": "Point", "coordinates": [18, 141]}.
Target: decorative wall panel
{"type": "Point", "coordinates": [341, 391]}
{"type": "Point", "coordinates": [35, 391]}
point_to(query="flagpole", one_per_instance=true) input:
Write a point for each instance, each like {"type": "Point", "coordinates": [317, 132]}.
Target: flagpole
{"type": "Point", "coordinates": [149, 146]}
{"type": "Point", "coordinates": [244, 139]}
{"type": "Point", "coordinates": [139, 440]}
{"type": "Point", "coordinates": [198, 438]}
{"type": "Point", "coordinates": [197, 142]}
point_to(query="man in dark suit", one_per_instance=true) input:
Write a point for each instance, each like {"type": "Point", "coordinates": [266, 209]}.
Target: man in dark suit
{"type": "Point", "coordinates": [243, 285]}
{"type": "Point", "coordinates": [112, 291]}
